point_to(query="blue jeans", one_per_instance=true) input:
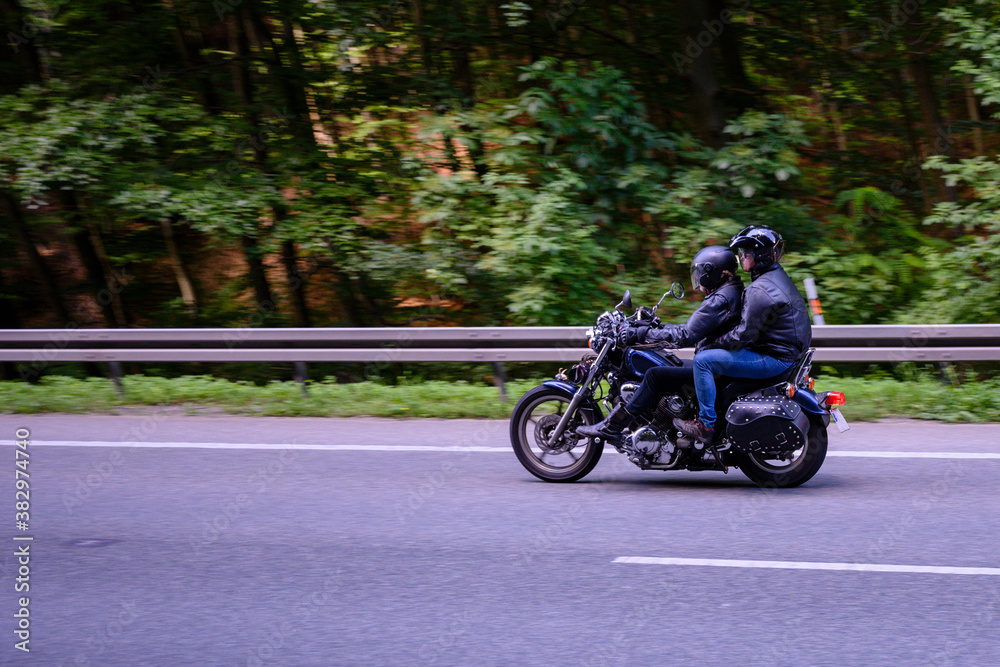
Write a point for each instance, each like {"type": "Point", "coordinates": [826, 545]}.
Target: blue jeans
{"type": "Point", "coordinates": [738, 364]}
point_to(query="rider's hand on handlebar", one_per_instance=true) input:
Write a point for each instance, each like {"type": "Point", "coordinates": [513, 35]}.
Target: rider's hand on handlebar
{"type": "Point", "coordinates": [632, 334]}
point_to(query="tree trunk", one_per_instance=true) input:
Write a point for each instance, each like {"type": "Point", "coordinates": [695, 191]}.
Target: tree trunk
{"type": "Point", "coordinates": [742, 92]}
{"type": "Point", "coordinates": [49, 287]}
{"type": "Point", "coordinates": [296, 285]}
{"type": "Point", "coordinates": [241, 72]}
{"type": "Point", "coordinates": [258, 278]}
{"type": "Point", "coordinates": [913, 141]}
{"type": "Point", "coordinates": [113, 282]}
{"type": "Point", "coordinates": [191, 57]}
{"type": "Point", "coordinates": [705, 90]}
{"type": "Point", "coordinates": [91, 249]}
{"type": "Point", "coordinates": [180, 270]}
{"type": "Point", "coordinates": [25, 48]}
{"type": "Point", "coordinates": [243, 86]}
{"type": "Point", "coordinates": [936, 137]}
{"type": "Point", "coordinates": [970, 104]}
{"type": "Point", "coordinates": [459, 47]}
{"type": "Point", "coordinates": [425, 41]}
{"type": "Point", "coordinates": [8, 320]}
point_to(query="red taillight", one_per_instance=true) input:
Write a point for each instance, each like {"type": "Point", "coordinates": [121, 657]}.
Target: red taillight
{"type": "Point", "coordinates": [835, 398]}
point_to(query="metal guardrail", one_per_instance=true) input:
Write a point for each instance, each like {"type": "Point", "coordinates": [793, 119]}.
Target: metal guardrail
{"type": "Point", "coordinates": [845, 343]}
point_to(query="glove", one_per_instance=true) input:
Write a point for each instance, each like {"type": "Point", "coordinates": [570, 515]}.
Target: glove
{"type": "Point", "coordinates": [632, 334]}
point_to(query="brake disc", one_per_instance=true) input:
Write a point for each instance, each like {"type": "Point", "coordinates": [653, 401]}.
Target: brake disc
{"type": "Point", "coordinates": [543, 430]}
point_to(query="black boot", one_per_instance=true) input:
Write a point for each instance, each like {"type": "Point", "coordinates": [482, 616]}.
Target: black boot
{"type": "Point", "coordinates": [609, 430]}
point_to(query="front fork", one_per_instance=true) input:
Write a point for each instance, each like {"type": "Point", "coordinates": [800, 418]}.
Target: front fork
{"type": "Point", "coordinates": [579, 395]}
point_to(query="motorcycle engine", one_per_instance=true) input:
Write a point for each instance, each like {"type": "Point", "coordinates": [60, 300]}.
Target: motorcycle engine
{"type": "Point", "coordinates": [667, 409]}
{"type": "Point", "coordinates": [647, 445]}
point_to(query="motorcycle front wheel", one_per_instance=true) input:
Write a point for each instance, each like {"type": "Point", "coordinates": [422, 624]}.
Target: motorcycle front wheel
{"type": "Point", "coordinates": [798, 468]}
{"type": "Point", "coordinates": [533, 421]}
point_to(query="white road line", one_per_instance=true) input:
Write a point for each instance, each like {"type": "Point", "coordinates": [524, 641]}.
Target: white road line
{"type": "Point", "coordinates": [257, 445]}
{"type": "Point", "coordinates": [806, 565]}
{"type": "Point", "coordinates": [917, 455]}
{"type": "Point", "coordinates": [150, 444]}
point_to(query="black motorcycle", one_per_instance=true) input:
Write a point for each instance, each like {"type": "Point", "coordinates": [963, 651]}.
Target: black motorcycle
{"type": "Point", "coordinates": [773, 429]}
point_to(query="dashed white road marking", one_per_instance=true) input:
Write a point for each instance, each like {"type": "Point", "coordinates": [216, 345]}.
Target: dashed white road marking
{"type": "Point", "coordinates": [808, 565]}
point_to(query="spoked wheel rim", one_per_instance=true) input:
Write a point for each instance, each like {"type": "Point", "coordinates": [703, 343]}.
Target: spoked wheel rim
{"type": "Point", "coordinates": [537, 423]}
{"type": "Point", "coordinates": [772, 463]}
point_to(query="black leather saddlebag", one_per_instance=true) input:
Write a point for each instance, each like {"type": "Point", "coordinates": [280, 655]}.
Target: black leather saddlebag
{"type": "Point", "coordinates": [767, 425]}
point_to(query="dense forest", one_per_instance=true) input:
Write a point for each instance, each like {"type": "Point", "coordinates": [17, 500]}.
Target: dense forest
{"type": "Point", "coordinates": [484, 162]}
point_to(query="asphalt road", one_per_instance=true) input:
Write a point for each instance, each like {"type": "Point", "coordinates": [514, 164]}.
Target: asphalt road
{"type": "Point", "coordinates": [252, 553]}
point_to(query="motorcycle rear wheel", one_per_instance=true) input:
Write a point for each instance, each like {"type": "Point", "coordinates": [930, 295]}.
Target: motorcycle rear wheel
{"type": "Point", "coordinates": [534, 418]}
{"type": "Point", "coordinates": [770, 473]}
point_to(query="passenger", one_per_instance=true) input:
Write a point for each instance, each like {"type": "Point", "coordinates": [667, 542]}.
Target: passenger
{"type": "Point", "coordinates": [773, 333]}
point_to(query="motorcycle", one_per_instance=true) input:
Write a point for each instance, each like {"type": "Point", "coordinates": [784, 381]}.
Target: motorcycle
{"type": "Point", "coordinates": [773, 429]}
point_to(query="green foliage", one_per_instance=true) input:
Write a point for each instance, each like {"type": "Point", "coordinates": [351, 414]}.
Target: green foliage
{"type": "Point", "coordinates": [868, 398]}
{"type": "Point", "coordinates": [546, 202]}
{"type": "Point", "coordinates": [968, 277]}
{"type": "Point", "coordinates": [483, 164]}
{"type": "Point", "coordinates": [871, 264]}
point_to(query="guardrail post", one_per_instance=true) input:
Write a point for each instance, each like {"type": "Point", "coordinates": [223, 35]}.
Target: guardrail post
{"type": "Point", "coordinates": [500, 380]}
{"type": "Point", "coordinates": [301, 376]}
{"type": "Point", "coordinates": [116, 377]}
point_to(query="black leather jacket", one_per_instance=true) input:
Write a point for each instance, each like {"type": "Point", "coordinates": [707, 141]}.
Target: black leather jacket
{"type": "Point", "coordinates": [717, 314]}
{"type": "Point", "coordinates": [775, 319]}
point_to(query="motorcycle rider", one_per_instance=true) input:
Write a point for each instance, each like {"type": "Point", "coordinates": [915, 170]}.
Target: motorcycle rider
{"type": "Point", "coordinates": [773, 333]}
{"type": "Point", "coordinates": [714, 272]}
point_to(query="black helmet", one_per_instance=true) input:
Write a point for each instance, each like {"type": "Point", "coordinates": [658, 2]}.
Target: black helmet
{"type": "Point", "coordinates": [709, 266]}
{"type": "Point", "coordinates": [763, 243]}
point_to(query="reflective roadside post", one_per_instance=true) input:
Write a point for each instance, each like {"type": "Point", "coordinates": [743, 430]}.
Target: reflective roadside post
{"type": "Point", "coordinates": [813, 296]}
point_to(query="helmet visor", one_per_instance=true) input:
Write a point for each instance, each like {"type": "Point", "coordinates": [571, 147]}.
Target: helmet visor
{"type": "Point", "coordinates": [697, 273]}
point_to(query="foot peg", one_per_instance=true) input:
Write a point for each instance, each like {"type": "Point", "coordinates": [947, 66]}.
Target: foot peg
{"type": "Point", "coordinates": [718, 457]}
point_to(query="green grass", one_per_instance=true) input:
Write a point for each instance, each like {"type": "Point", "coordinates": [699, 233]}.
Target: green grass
{"type": "Point", "coordinates": [867, 399]}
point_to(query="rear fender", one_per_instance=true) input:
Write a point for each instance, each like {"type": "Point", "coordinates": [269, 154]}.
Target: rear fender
{"type": "Point", "coordinates": [806, 399]}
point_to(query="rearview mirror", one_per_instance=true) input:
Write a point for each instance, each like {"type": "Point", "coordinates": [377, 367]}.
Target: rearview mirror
{"type": "Point", "coordinates": [626, 302]}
